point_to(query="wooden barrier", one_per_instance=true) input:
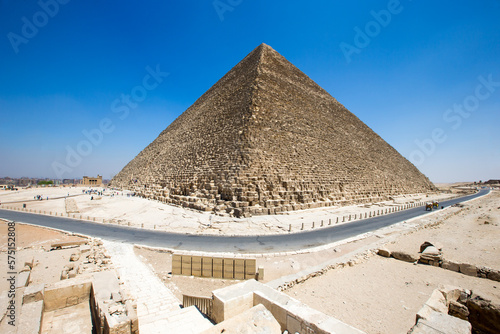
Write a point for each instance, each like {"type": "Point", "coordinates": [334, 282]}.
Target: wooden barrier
{"type": "Point", "coordinates": [204, 304]}
{"type": "Point", "coordinates": [214, 267]}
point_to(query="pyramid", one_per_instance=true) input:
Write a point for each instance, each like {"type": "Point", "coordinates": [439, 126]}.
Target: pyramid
{"type": "Point", "coordinates": [266, 139]}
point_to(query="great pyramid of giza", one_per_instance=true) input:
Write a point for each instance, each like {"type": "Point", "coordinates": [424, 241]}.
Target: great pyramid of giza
{"type": "Point", "coordinates": [266, 139]}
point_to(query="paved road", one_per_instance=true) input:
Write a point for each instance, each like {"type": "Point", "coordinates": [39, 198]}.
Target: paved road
{"type": "Point", "coordinates": [261, 244]}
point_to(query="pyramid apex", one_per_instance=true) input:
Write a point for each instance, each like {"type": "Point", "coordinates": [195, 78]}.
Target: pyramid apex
{"type": "Point", "coordinates": [264, 46]}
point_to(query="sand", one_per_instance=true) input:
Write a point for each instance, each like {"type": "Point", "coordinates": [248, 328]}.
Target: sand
{"type": "Point", "coordinates": [382, 295]}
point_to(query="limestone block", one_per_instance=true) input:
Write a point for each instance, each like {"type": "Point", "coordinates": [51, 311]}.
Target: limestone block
{"type": "Point", "coordinates": [468, 269]}
{"type": "Point", "coordinates": [399, 255]}
{"type": "Point", "coordinates": [257, 320]}
{"type": "Point", "coordinates": [449, 265]}
{"type": "Point", "coordinates": [57, 294]}
{"type": "Point", "coordinates": [437, 302]}
{"type": "Point", "coordinates": [261, 273]}
{"type": "Point", "coordinates": [450, 293]}
{"type": "Point", "coordinates": [384, 252]}
{"type": "Point", "coordinates": [23, 279]}
{"type": "Point", "coordinates": [440, 323]}
{"type": "Point", "coordinates": [33, 293]}
{"type": "Point", "coordinates": [458, 310]}
{"type": "Point", "coordinates": [30, 320]}
{"type": "Point", "coordinates": [132, 315]}
{"type": "Point", "coordinates": [494, 275]}
{"type": "Point", "coordinates": [424, 312]}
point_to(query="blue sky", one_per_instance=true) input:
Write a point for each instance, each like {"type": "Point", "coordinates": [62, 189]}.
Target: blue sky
{"type": "Point", "coordinates": [424, 75]}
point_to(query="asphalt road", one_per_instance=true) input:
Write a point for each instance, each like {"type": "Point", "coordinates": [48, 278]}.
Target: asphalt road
{"type": "Point", "coordinates": [250, 244]}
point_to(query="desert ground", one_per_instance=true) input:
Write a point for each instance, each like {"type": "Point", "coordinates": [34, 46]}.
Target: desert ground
{"type": "Point", "coordinates": [382, 295]}
{"type": "Point", "coordinates": [119, 207]}
{"type": "Point", "coordinates": [367, 291]}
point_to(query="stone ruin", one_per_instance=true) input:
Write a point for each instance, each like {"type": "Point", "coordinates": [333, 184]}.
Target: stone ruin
{"type": "Point", "coordinates": [267, 139]}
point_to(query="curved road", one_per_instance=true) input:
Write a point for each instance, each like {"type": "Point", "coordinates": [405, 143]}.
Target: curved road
{"type": "Point", "coordinates": [239, 244]}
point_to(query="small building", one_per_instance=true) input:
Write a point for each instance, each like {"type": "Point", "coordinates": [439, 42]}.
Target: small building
{"type": "Point", "coordinates": [92, 181]}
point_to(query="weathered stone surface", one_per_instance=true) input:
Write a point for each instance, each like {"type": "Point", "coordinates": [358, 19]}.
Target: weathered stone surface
{"type": "Point", "coordinates": [494, 275]}
{"type": "Point", "coordinates": [266, 139]}
{"type": "Point", "coordinates": [384, 252]}
{"type": "Point", "coordinates": [440, 323]}
{"type": "Point", "coordinates": [468, 269]}
{"type": "Point", "coordinates": [30, 320]}
{"type": "Point", "coordinates": [450, 293]}
{"type": "Point", "coordinates": [23, 279]}
{"type": "Point", "coordinates": [431, 255]}
{"type": "Point", "coordinates": [33, 293]}
{"type": "Point", "coordinates": [428, 243]}
{"type": "Point", "coordinates": [449, 265]}
{"type": "Point", "coordinates": [403, 256]}
{"type": "Point", "coordinates": [458, 310]}
{"type": "Point", "coordinates": [257, 320]}
{"type": "Point", "coordinates": [437, 302]}
{"type": "Point", "coordinates": [484, 315]}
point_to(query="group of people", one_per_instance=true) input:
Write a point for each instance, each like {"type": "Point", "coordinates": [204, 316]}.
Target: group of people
{"type": "Point", "coordinates": [39, 197]}
{"type": "Point", "coordinates": [93, 192]}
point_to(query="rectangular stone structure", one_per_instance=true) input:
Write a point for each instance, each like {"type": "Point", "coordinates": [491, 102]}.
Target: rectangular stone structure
{"type": "Point", "coordinates": [218, 267]}
{"type": "Point", "coordinates": [239, 269]}
{"type": "Point", "coordinates": [176, 264]}
{"type": "Point", "coordinates": [186, 265]}
{"type": "Point", "coordinates": [206, 267]}
{"type": "Point", "coordinates": [250, 268]}
{"type": "Point", "coordinates": [196, 266]}
{"type": "Point", "coordinates": [228, 268]}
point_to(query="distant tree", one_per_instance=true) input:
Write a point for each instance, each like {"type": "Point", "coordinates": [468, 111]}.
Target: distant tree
{"type": "Point", "coordinates": [42, 183]}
